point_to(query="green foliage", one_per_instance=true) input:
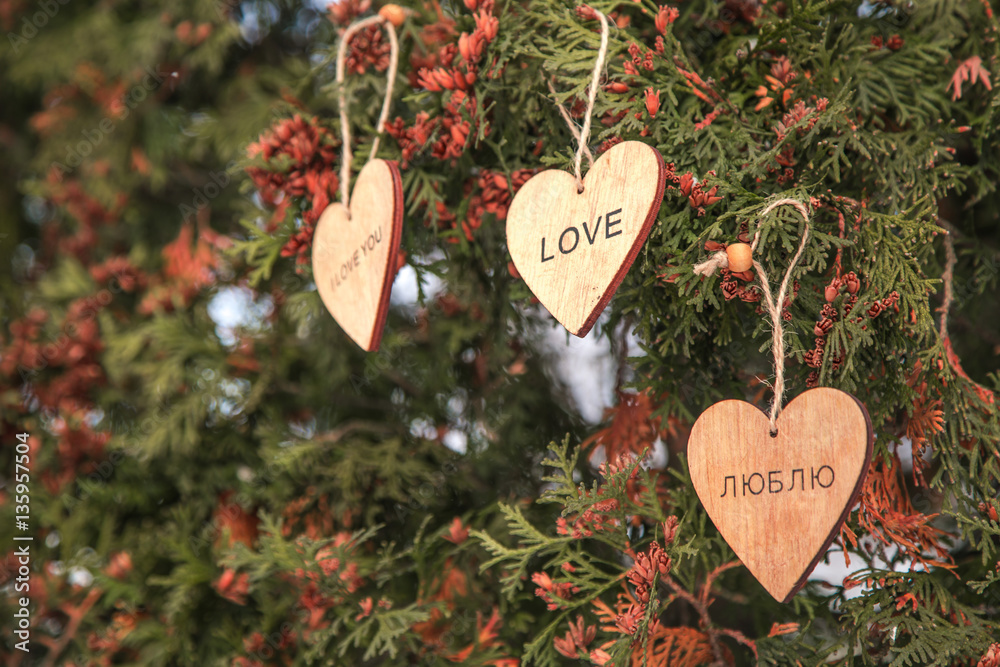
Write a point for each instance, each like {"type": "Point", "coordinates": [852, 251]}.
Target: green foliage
{"type": "Point", "coordinates": [219, 476]}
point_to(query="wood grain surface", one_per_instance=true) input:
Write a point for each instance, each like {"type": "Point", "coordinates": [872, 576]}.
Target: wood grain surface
{"type": "Point", "coordinates": [780, 501]}
{"type": "Point", "coordinates": [573, 249]}
{"type": "Point", "coordinates": [354, 254]}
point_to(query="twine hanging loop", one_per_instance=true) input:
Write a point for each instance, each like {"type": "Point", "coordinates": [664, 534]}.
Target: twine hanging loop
{"type": "Point", "coordinates": [582, 136]}
{"type": "Point", "coordinates": [719, 260]}
{"type": "Point", "coordinates": [345, 128]}
{"type": "Point", "coordinates": [774, 306]}
{"type": "Point", "coordinates": [595, 79]}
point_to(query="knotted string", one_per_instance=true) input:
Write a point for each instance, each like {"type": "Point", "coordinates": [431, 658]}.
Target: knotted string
{"type": "Point", "coordinates": [720, 260]}
{"type": "Point", "coordinates": [592, 99]}
{"type": "Point", "coordinates": [774, 307]}
{"type": "Point", "coordinates": [345, 128]}
{"type": "Point", "coordinates": [583, 136]}
{"type": "Point", "coordinates": [572, 127]}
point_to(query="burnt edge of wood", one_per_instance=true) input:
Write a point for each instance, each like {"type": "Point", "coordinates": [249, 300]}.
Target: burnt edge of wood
{"type": "Point", "coordinates": [392, 259]}
{"type": "Point", "coordinates": [640, 240]}
{"type": "Point", "coordinates": [869, 450]}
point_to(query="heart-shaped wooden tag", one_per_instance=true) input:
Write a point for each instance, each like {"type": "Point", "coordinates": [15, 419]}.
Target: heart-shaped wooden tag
{"type": "Point", "coordinates": [779, 501]}
{"type": "Point", "coordinates": [354, 253]}
{"type": "Point", "coordinates": [573, 249]}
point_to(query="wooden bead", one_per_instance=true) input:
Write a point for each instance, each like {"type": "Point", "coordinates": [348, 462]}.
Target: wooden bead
{"type": "Point", "coordinates": [740, 257]}
{"type": "Point", "coordinates": [394, 14]}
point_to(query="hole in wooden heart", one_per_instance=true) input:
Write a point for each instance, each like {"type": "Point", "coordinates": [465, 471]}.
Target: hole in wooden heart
{"type": "Point", "coordinates": [774, 433]}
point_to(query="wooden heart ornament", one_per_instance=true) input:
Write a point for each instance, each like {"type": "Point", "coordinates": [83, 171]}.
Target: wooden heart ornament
{"type": "Point", "coordinates": [354, 253]}
{"type": "Point", "coordinates": [779, 501]}
{"type": "Point", "coordinates": [573, 249]}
